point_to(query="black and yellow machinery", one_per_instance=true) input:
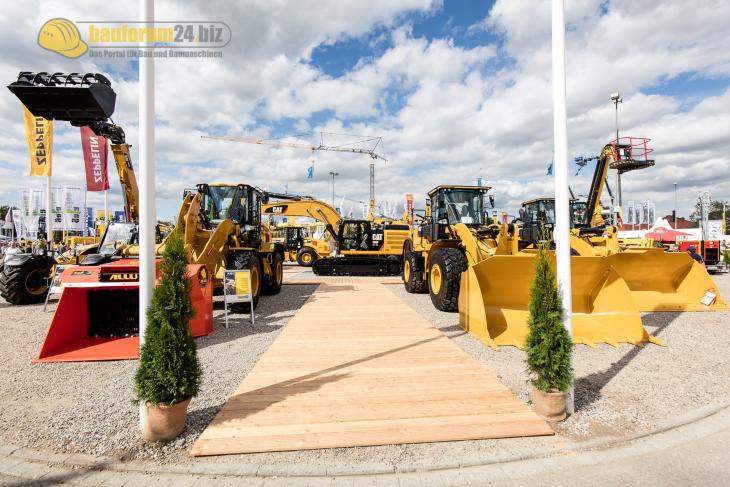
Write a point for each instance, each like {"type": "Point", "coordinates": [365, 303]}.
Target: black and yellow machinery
{"type": "Point", "coordinates": [468, 263]}
{"type": "Point", "coordinates": [83, 100]}
{"type": "Point", "coordinates": [658, 280]}
{"type": "Point", "coordinates": [361, 247]}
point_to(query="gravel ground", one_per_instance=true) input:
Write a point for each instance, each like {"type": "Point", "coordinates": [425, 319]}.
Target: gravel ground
{"type": "Point", "coordinates": [625, 389]}
{"type": "Point", "coordinates": [86, 407]}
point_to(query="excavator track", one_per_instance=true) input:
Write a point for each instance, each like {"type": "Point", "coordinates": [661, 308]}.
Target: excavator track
{"type": "Point", "coordinates": [357, 266]}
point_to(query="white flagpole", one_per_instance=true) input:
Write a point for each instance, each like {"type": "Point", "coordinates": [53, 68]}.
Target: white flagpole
{"type": "Point", "coordinates": [147, 213]}
{"type": "Point", "coordinates": [49, 233]}
{"type": "Point", "coordinates": [560, 170]}
{"type": "Point", "coordinates": [106, 212]}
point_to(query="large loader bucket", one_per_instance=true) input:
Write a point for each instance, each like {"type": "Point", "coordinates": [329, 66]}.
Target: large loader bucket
{"type": "Point", "coordinates": [495, 295]}
{"type": "Point", "coordinates": [666, 281]}
{"type": "Point", "coordinates": [97, 317]}
{"type": "Point", "coordinates": [76, 98]}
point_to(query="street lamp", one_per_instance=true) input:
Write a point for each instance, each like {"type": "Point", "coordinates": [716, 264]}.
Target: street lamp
{"type": "Point", "coordinates": [333, 174]}
{"type": "Point", "coordinates": [675, 206]}
{"type": "Point", "coordinates": [616, 99]}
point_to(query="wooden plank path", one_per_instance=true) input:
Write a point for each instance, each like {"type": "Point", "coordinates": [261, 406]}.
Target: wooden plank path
{"type": "Point", "coordinates": [356, 366]}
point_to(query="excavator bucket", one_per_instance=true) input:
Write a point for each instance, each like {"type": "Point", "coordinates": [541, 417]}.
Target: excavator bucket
{"type": "Point", "coordinates": [76, 98]}
{"type": "Point", "coordinates": [667, 281]}
{"type": "Point", "coordinates": [495, 295]}
{"type": "Point", "coordinates": [97, 315]}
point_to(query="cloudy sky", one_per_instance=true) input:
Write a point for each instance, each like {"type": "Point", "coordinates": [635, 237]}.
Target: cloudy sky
{"type": "Point", "coordinates": [457, 90]}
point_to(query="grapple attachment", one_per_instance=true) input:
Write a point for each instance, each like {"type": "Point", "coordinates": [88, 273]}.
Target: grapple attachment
{"type": "Point", "coordinates": [666, 281]}
{"type": "Point", "coordinates": [81, 99]}
{"type": "Point", "coordinates": [495, 295]}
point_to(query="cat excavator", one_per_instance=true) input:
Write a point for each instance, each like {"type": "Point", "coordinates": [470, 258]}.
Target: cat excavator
{"type": "Point", "coordinates": [361, 247]}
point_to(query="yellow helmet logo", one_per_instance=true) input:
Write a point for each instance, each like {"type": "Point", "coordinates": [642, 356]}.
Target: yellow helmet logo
{"type": "Point", "coordinates": [62, 36]}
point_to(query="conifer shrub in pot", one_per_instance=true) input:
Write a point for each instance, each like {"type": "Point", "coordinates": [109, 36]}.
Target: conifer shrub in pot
{"type": "Point", "coordinates": [168, 376]}
{"type": "Point", "coordinates": [548, 345]}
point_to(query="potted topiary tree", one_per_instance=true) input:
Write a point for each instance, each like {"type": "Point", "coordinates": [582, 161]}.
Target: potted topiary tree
{"type": "Point", "coordinates": [548, 344]}
{"type": "Point", "coordinates": [169, 373]}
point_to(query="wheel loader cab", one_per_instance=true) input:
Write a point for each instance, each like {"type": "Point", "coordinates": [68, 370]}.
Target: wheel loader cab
{"type": "Point", "coordinates": [239, 203]}
{"type": "Point", "coordinates": [452, 205]}
{"type": "Point", "coordinates": [538, 218]}
{"type": "Point", "coordinates": [294, 237]}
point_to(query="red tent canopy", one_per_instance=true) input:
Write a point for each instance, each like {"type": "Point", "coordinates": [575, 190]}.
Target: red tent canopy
{"type": "Point", "coordinates": [662, 234]}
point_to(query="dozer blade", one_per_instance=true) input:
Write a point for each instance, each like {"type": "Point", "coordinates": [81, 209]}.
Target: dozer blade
{"type": "Point", "coordinates": [79, 99]}
{"type": "Point", "coordinates": [97, 317]}
{"type": "Point", "coordinates": [495, 295]}
{"type": "Point", "coordinates": [666, 281]}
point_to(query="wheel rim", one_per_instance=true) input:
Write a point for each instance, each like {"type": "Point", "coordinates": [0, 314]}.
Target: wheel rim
{"type": "Point", "coordinates": [407, 271]}
{"type": "Point", "coordinates": [255, 281]}
{"type": "Point", "coordinates": [435, 279]}
{"type": "Point", "coordinates": [35, 284]}
{"type": "Point", "coordinates": [306, 258]}
{"type": "Point", "coordinates": [278, 273]}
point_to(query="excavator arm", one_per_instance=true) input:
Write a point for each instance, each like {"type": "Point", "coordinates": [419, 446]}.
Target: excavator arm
{"type": "Point", "coordinates": [312, 208]}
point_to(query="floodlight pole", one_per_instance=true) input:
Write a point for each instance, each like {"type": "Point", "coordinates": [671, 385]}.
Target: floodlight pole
{"type": "Point", "coordinates": [560, 171]}
{"type": "Point", "coordinates": [147, 213]}
{"type": "Point", "coordinates": [333, 174]}
{"type": "Point", "coordinates": [675, 205]}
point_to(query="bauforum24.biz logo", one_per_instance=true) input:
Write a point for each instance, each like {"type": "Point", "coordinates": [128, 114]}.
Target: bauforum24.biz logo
{"type": "Point", "coordinates": [134, 39]}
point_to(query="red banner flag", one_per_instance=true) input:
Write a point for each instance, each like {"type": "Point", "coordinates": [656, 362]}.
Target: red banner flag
{"type": "Point", "coordinates": [95, 155]}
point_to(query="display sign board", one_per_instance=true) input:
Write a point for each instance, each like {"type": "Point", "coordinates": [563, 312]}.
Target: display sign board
{"type": "Point", "coordinates": [237, 289]}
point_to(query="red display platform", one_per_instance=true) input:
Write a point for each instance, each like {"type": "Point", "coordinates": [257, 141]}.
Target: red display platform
{"type": "Point", "coordinates": [70, 338]}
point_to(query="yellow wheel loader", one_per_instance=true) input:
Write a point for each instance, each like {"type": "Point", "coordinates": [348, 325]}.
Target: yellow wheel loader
{"type": "Point", "coordinates": [221, 228]}
{"type": "Point", "coordinates": [299, 243]}
{"type": "Point", "coordinates": [470, 264]}
{"type": "Point", "coordinates": [658, 280]}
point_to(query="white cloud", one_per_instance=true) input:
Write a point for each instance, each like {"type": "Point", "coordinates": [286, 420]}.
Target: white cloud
{"type": "Point", "coordinates": [448, 114]}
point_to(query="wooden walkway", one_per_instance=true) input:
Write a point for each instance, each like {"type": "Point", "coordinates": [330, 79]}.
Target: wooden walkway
{"type": "Point", "coordinates": [357, 366]}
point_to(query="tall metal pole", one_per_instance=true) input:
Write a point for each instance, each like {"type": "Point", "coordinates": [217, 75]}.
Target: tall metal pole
{"type": "Point", "coordinates": [147, 213]}
{"type": "Point", "coordinates": [560, 170]}
{"type": "Point", "coordinates": [616, 98]}
{"type": "Point", "coordinates": [49, 219]}
{"type": "Point", "coordinates": [675, 205]}
{"type": "Point", "coordinates": [333, 174]}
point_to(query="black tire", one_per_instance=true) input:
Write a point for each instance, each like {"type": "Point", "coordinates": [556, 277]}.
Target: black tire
{"type": "Point", "coordinates": [248, 261]}
{"type": "Point", "coordinates": [413, 273]}
{"type": "Point", "coordinates": [272, 283]}
{"type": "Point", "coordinates": [26, 283]}
{"type": "Point", "coordinates": [444, 278]}
{"type": "Point", "coordinates": [306, 257]}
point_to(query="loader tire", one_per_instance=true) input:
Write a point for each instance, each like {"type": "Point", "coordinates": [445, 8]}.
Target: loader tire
{"type": "Point", "coordinates": [413, 273]}
{"type": "Point", "coordinates": [247, 261]}
{"type": "Point", "coordinates": [272, 283]}
{"type": "Point", "coordinates": [306, 257]}
{"type": "Point", "coordinates": [26, 283]}
{"type": "Point", "coordinates": [444, 278]}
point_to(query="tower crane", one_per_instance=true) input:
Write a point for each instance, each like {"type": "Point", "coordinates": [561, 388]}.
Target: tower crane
{"type": "Point", "coordinates": [378, 141]}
